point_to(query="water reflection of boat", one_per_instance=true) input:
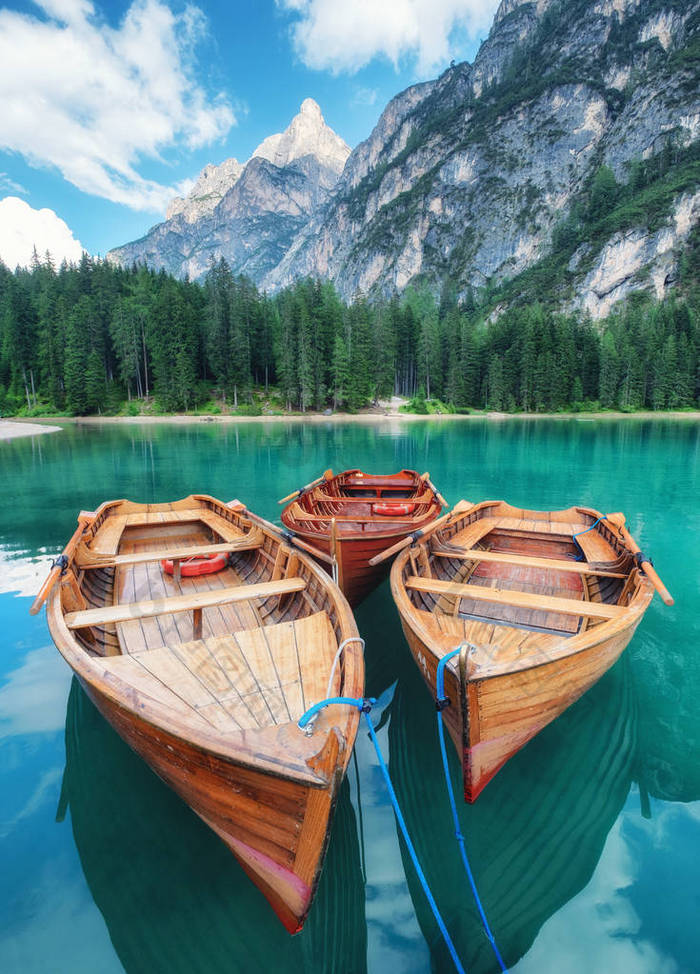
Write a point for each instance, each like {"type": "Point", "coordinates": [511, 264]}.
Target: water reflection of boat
{"type": "Point", "coordinates": [536, 834]}
{"type": "Point", "coordinates": [184, 906]}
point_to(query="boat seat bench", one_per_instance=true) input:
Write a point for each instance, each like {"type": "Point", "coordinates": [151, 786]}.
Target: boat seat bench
{"type": "Point", "coordinates": [522, 600]}
{"type": "Point", "coordinates": [246, 543]}
{"type": "Point", "coordinates": [506, 558]}
{"type": "Point", "coordinates": [128, 611]}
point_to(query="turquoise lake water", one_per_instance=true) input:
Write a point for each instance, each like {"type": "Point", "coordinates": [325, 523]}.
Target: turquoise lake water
{"type": "Point", "coordinates": [586, 846]}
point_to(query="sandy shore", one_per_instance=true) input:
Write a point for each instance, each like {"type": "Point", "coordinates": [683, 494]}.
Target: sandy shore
{"type": "Point", "coordinates": [11, 430]}
{"type": "Point", "coordinates": [368, 417]}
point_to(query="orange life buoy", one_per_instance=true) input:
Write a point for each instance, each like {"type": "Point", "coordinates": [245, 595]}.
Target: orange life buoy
{"type": "Point", "coordinates": [393, 510]}
{"type": "Point", "coordinates": [206, 565]}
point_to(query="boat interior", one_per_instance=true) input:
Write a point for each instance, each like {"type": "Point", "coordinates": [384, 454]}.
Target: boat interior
{"type": "Point", "coordinates": [250, 646]}
{"type": "Point", "coordinates": [512, 581]}
{"type": "Point", "coordinates": [366, 503]}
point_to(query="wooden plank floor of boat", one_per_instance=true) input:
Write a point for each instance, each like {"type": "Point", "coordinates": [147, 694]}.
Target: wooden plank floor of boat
{"type": "Point", "coordinates": [547, 582]}
{"type": "Point", "coordinates": [242, 674]}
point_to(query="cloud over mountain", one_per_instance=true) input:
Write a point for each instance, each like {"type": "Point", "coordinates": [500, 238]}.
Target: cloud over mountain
{"type": "Point", "coordinates": [95, 101]}
{"type": "Point", "coordinates": [345, 35]}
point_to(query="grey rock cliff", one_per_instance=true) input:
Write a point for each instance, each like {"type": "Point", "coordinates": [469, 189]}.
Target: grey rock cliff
{"type": "Point", "coordinates": [465, 178]}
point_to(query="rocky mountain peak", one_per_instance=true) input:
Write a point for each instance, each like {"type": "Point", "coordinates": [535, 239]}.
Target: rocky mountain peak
{"type": "Point", "coordinates": [211, 186]}
{"type": "Point", "coordinates": [248, 212]}
{"type": "Point", "coordinates": [306, 135]}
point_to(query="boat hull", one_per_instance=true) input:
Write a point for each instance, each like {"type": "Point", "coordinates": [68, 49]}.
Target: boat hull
{"type": "Point", "coordinates": [211, 702]}
{"type": "Point", "coordinates": [260, 817]}
{"type": "Point", "coordinates": [356, 577]}
{"type": "Point", "coordinates": [495, 717]}
{"type": "Point", "coordinates": [340, 517]}
{"type": "Point", "coordinates": [536, 625]}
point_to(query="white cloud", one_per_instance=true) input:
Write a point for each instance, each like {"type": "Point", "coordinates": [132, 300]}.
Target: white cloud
{"type": "Point", "coordinates": [23, 228]}
{"type": "Point", "coordinates": [8, 185]}
{"type": "Point", "coordinates": [33, 700]}
{"type": "Point", "coordinates": [345, 35]}
{"type": "Point", "coordinates": [366, 97]}
{"type": "Point", "coordinates": [95, 101]}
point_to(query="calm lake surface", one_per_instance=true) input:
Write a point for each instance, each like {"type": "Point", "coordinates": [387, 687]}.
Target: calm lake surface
{"type": "Point", "coordinates": [586, 846]}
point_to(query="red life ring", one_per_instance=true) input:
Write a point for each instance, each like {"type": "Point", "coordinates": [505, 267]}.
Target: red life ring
{"type": "Point", "coordinates": [206, 565]}
{"type": "Point", "coordinates": [393, 509]}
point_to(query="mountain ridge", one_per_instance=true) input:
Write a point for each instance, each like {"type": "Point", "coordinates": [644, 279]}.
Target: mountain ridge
{"type": "Point", "coordinates": [474, 178]}
{"type": "Point", "coordinates": [246, 212]}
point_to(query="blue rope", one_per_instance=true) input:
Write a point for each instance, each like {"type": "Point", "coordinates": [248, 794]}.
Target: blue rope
{"type": "Point", "coordinates": [582, 556]}
{"type": "Point", "coordinates": [365, 706]}
{"type": "Point", "coordinates": [586, 530]}
{"type": "Point", "coordinates": [358, 702]}
{"type": "Point", "coordinates": [442, 702]}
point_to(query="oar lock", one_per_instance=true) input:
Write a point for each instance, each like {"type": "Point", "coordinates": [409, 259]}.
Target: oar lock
{"type": "Point", "coordinates": [60, 562]}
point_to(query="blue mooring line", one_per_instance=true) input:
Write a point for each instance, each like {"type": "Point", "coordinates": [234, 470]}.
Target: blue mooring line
{"type": "Point", "coordinates": [586, 530]}
{"type": "Point", "coordinates": [440, 687]}
{"type": "Point", "coordinates": [582, 556]}
{"type": "Point", "coordinates": [365, 706]}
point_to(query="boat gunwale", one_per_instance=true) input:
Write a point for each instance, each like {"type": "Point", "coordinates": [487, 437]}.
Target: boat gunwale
{"type": "Point", "coordinates": [311, 530]}
{"type": "Point", "coordinates": [234, 747]}
{"type": "Point", "coordinates": [568, 647]}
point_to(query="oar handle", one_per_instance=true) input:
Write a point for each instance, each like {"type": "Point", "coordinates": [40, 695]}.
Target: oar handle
{"type": "Point", "coordinates": [326, 475]}
{"type": "Point", "coordinates": [617, 520]}
{"type": "Point", "coordinates": [60, 564]}
{"type": "Point", "coordinates": [45, 589]}
{"type": "Point", "coordinates": [434, 489]}
{"type": "Point", "coordinates": [653, 577]}
{"type": "Point", "coordinates": [460, 508]}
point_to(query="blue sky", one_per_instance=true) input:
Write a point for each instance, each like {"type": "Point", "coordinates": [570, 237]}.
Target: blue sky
{"type": "Point", "coordinates": [110, 107]}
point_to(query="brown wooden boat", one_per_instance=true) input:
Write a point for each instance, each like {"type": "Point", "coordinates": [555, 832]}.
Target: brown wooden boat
{"type": "Point", "coordinates": [206, 676]}
{"type": "Point", "coordinates": [350, 517]}
{"type": "Point", "coordinates": [538, 609]}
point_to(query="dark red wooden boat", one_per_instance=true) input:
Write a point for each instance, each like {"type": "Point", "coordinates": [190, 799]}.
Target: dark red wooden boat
{"type": "Point", "coordinates": [351, 517]}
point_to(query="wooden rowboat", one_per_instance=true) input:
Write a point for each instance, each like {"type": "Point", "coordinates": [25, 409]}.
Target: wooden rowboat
{"type": "Point", "coordinates": [351, 517]}
{"type": "Point", "coordinates": [205, 677]}
{"type": "Point", "coordinates": [536, 626]}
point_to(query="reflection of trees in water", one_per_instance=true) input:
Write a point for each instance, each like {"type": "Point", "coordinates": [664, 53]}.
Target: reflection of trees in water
{"type": "Point", "coordinates": [173, 896]}
{"type": "Point", "coordinates": [535, 834]}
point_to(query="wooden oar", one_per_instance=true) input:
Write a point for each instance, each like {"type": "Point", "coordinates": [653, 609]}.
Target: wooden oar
{"type": "Point", "coordinates": [461, 507]}
{"type": "Point", "coordinates": [327, 474]}
{"type": "Point", "coordinates": [60, 563]}
{"type": "Point", "coordinates": [286, 535]}
{"type": "Point", "coordinates": [426, 479]}
{"type": "Point", "coordinates": [618, 521]}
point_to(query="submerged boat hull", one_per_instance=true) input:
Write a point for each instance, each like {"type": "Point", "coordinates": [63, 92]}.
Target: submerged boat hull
{"type": "Point", "coordinates": [522, 659]}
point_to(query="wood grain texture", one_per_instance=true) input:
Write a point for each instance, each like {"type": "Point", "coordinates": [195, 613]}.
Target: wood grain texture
{"type": "Point", "coordinates": [520, 605]}
{"type": "Point", "coordinates": [214, 712]}
{"type": "Point", "coordinates": [347, 501]}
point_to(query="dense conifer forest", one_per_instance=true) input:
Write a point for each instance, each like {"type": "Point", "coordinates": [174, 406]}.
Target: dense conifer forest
{"type": "Point", "coordinates": [99, 339]}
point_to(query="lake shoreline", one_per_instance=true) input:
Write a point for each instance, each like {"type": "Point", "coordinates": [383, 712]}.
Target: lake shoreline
{"type": "Point", "coordinates": [8, 430]}
{"type": "Point", "coordinates": [12, 429]}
